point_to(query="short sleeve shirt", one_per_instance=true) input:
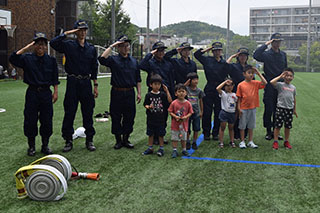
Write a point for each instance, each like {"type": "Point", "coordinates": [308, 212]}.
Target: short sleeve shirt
{"type": "Point", "coordinates": [194, 97]}
{"type": "Point", "coordinates": [156, 115]}
{"type": "Point", "coordinates": [180, 109]}
{"type": "Point", "coordinates": [249, 94]}
{"type": "Point", "coordinates": [228, 101]}
{"type": "Point", "coordinates": [286, 94]}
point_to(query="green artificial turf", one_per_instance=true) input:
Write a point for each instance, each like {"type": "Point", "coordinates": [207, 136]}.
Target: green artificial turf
{"type": "Point", "coordinates": [131, 182]}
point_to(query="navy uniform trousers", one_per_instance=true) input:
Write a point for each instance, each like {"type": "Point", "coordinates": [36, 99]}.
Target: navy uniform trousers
{"type": "Point", "coordinates": [211, 101]}
{"type": "Point", "coordinates": [122, 111]}
{"type": "Point", "coordinates": [78, 90]}
{"type": "Point", "coordinates": [38, 105]}
{"type": "Point", "coordinates": [270, 97]}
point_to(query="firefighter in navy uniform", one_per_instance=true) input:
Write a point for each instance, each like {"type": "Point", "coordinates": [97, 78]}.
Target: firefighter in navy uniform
{"type": "Point", "coordinates": [125, 75]}
{"type": "Point", "coordinates": [155, 63]}
{"type": "Point", "coordinates": [274, 61]}
{"type": "Point", "coordinates": [216, 70]}
{"type": "Point", "coordinates": [184, 65]}
{"type": "Point", "coordinates": [40, 72]}
{"type": "Point", "coordinates": [81, 67]}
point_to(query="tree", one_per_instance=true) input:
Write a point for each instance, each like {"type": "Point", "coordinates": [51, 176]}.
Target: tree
{"type": "Point", "coordinates": [99, 15]}
{"type": "Point", "coordinates": [314, 56]}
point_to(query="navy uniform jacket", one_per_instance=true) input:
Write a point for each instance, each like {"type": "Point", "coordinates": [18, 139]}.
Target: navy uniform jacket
{"type": "Point", "coordinates": [125, 71]}
{"type": "Point", "coordinates": [181, 68]}
{"type": "Point", "coordinates": [79, 60]}
{"type": "Point", "coordinates": [38, 70]}
{"type": "Point", "coordinates": [236, 73]}
{"type": "Point", "coordinates": [215, 71]}
{"type": "Point", "coordinates": [274, 62]}
{"type": "Point", "coordinates": [164, 68]}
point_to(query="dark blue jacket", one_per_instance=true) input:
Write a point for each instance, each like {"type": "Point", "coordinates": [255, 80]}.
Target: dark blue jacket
{"type": "Point", "coordinates": [181, 68]}
{"type": "Point", "coordinates": [125, 71]}
{"type": "Point", "coordinates": [164, 68]}
{"type": "Point", "coordinates": [38, 70]}
{"type": "Point", "coordinates": [274, 62]}
{"type": "Point", "coordinates": [215, 71]}
{"type": "Point", "coordinates": [79, 60]}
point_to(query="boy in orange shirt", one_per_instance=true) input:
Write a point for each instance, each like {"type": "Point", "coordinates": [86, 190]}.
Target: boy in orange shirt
{"type": "Point", "coordinates": [248, 97]}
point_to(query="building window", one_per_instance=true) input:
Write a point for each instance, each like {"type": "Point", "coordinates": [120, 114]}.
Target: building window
{"type": "Point", "coordinates": [3, 2]}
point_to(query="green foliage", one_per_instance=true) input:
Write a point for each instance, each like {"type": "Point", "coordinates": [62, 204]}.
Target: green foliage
{"type": "Point", "coordinates": [196, 30]}
{"type": "Point", "coordinates": [314, 55]}
{"type": "Point", "coordinates": [99, 15]}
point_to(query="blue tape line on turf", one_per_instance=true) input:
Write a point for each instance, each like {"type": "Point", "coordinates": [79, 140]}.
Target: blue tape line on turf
{"type": "Point", "coordinates": [253, 162]}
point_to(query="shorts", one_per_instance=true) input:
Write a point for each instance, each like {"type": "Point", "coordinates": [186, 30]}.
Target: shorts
{"type": "Point", "coordinates": [283, 116]}
{"type": "Point", "coordinates": [195, 121]}
{"type": "Point", "coordinates": [180, 135]}
{"type": "Point", "coordinates": [156, 130]}
{"type": "Point", "coordinates": [248, 119]}
{"type": "Point", "coordinates": [229, 117]}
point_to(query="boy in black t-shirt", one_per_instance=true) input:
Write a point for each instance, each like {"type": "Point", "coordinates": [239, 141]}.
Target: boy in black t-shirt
{"type": "Point", "coordinates": [156, 102]}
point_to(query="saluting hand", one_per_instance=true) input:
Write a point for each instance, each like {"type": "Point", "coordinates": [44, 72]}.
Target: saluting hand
{"type": "Point", "coordinates": [206, 50]}
{"type": "Point", "coordinates": [269, 42]}
{"type": "Point", "coordinates": [71, 31]}
{"type": "Point", "coordinates": [115, 44]}
{"type": "Point", "coordinates": [179, 49]}
{"type": "Point", "coordinates": [154, 51]}
{"type": "Point", "coordinates": [165, 88]}
{"type": "Point", "coordinates": [26, 48]}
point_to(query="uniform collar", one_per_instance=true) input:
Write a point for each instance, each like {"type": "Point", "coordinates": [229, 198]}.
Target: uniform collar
{"type": "Point", "coordinates": [85, 43]}
{"type": "Point", "coordinates": [124, 57]}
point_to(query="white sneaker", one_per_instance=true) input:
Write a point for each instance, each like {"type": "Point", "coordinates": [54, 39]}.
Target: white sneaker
{"type": "Point", "coordinates": [242, 145]}
{"type": "Point", "coordinates": [252, 145]}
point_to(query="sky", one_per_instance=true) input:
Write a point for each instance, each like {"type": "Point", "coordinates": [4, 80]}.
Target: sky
{"type": "Point", "coordinates": [210, 11]}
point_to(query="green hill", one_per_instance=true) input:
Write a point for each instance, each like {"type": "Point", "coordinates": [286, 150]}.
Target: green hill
{"type": "Point", "coordinates": [196, 30]}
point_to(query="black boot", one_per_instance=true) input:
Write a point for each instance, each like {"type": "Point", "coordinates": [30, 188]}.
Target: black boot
{"type": "Point", "coordinates": [126, 142]}
{"type": "Point", "coordinates": [68, 145]}
{"type": "Point", "coordinates": [31, 150]}
{"type": "Point", "coordinates": [118, 144]}
{"type": "Point", "coordinates": [89, 145]}
{"type": "Point", "coordinates": [45, 149]}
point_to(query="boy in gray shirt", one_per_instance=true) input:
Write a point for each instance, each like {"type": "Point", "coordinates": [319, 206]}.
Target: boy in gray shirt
{"type": "Point", "coordinates": [286, 106]}
{"type": "Point", "coordinates": [195, 96]}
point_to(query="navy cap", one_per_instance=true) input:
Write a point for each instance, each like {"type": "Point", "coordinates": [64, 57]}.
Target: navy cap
{"type": "Point", "coordinates": [243, 50]}
{"type": "Point", "coordinates": [39, 35]}
{"type": "Point", "coordinates": [217, 45]}
{"type": "Point", "coordinates": [186, 45]}
{"type": "Point", "coordinates": [124, 38]}
{"type": "Point", "coordinates": [80, 24]}
{"type": "Point", "coordinates": [276, 36]}
{"type": "Point", "coordinates": [158, 45]}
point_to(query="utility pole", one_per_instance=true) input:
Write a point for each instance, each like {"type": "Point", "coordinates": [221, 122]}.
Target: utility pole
{"type": "Point", "coordinates": [159, 29]}
{"type": "Point", "coordinates": [308, 44]}
{"type": "Point", "coordinates": [113, 23]}
{"type": "Point", "coordinates": [228, 29]}
{"type": "Point", "coordinates": [148, 15]}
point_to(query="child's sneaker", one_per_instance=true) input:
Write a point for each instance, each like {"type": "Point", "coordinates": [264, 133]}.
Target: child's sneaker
{"type": "Point", "coordinates": [242, 145]}
{"type": "Point", "coordinates": [185, 153]}
{"type": "Point", "coordinates": [194, 146]}
{"type": "Point", "coordinates": [275, 145]}
{"type": "Point", "coordinates": [287, 145]}
{"type": "Point", "coordinates": [188, 145]}
{"type": "Point", "coordinates": [160, 152]}
{"type": "Point", "coordinates": [174, 154]}
{"type": "Point", "coordinates": [252, 145]}
{"type": "Point", "coordinates": [149, 151]}
{"type": "Point", "coordinates": [232, 144]}
{"type": "Point", "coordinates": [221, 145]}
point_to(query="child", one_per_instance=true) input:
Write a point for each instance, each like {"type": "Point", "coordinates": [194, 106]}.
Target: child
{"type": "Point", "coordinates": [248, 99]}
{"type": "Point", "coordinates": [180, 111]}
{"type": "Point", "coordinates": [286, 106]}
{"type": "Point", "coordinates": [195, 96]}
{"type": "Point", "coordinates": [156, 102]}
{"type": "Point", "coordinates": [228, 110]}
